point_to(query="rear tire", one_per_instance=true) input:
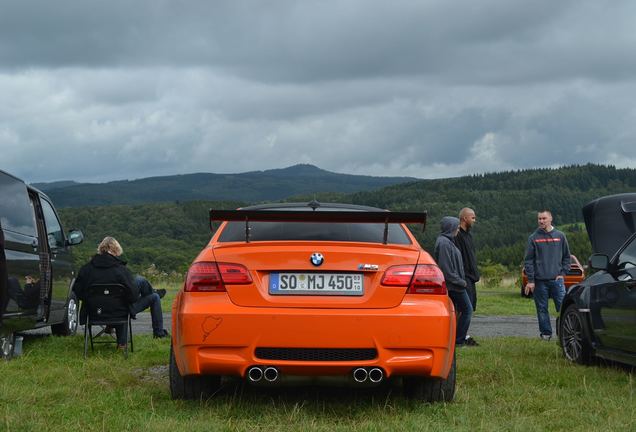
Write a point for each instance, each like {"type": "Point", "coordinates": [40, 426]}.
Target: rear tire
{"type": "Point", "coordinates": [431, 389]}
{"type": "Point", "coordinates": [69, 326]}
{"type": "Point", "coordinates": [190, 387]}
{"type": "Point", "coordinates": [576, 348]}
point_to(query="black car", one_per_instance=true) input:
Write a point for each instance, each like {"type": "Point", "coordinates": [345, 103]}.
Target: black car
{"type": "Point", "coordinates": [598, 316]}
{"type": "Point", "coordinates": [36, 266]}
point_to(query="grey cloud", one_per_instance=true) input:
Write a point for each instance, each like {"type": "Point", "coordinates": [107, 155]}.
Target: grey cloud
{"type": "Point", "coordinates": [96, 90]}
{"type": "Point", "coordinates": [482, 42]}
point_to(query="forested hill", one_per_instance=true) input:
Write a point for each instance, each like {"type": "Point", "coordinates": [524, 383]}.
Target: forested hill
{"type": "Point", "coordinates": [171, 234]}
{"type": "Point", "coordinates": [506, 204]}
{"type": "Point", "coordinates": [255, 186]}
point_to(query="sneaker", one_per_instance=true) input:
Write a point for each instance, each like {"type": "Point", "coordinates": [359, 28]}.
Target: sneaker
{"type": "Point", "coordinates": [470, 341]}
{"type": "Point", "coordinates": [545, 337]}
{"type": "Point", "coordinates": [161, 334]}
{"type": "Point", "coordinates": [161, 292]}
{"type": "Point", "coordinates": [109, 331]}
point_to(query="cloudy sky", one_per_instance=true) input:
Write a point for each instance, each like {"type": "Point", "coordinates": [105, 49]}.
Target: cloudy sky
{"type": "Point", "coordinates": [105, 90]}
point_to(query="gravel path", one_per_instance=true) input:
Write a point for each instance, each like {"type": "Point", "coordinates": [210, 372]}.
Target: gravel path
{"type": "Point", "coordinates": [481, 326]}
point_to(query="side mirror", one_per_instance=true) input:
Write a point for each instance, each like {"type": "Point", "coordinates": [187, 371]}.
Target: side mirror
{"type": "Point", "coordinates": [75, 237]}
{"type": "Point", "coordinates": [599, 262]}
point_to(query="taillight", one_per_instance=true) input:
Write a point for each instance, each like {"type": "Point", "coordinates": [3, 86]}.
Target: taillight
{"type": "Point", "coordinates": [428, 279]}
{"type": "Point", "coordinates": [204, 276]}
{"type": "Point", "coordinates": [212, 276]}
{"type": "Point", "coordinates": [420, 279]}
{"type": "Point", "coordinates": [398, 275]}
{"type": "Point", "coordinates": [234, 274]}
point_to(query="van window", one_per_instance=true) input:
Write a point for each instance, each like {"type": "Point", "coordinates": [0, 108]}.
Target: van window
{"type": "Point", "coordinates": [53, 228]}
{"type": "Point", "coordinates": [16, 213]}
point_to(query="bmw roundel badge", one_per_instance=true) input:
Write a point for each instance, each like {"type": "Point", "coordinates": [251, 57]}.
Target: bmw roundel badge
{"type": "Point", "coordinates": [316, 259]}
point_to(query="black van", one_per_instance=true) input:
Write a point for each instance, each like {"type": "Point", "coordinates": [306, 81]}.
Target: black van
{"type": "Point", "coordinates": [36, 266]}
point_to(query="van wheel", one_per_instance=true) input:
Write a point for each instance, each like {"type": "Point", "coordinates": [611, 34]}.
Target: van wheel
{"type": "Point", "coordinates": [431, 389]}
{"type": "Point", "coordinates": [7, 344]}
{"type": "Point", "coordinates": [191, 386]}
{"type": "Point", "coordinates": [69, 326]}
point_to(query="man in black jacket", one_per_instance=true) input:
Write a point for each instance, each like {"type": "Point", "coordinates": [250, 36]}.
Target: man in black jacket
{"type": "Point", "coordinates": [464, 242]}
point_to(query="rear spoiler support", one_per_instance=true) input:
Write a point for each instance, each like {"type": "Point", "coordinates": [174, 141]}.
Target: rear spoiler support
{"type": "Point", "coordinates": [345, 216]}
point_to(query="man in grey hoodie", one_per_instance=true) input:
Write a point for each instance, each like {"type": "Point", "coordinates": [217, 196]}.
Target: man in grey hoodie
{"type": "Point", "coordinates": [546, 263]}
{"type": "Point", "coordinates": [449, 260]}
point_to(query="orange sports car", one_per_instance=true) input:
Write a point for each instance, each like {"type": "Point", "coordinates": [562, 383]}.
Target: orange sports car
{"type": "Point", "coordinates": [313, 290]}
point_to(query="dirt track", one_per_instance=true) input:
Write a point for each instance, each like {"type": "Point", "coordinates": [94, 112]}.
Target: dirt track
{"type": "Point", "coordinates": [481, 326]}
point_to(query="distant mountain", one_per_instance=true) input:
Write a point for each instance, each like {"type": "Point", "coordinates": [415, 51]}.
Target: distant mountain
{"type": "Point", "coordinates": [46, 187]}
{"type": "Point", "coordinates": [250, 187]}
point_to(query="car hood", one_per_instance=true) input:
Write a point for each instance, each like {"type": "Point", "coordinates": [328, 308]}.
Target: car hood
{"type": "Point", "coordinates": [610, 221]}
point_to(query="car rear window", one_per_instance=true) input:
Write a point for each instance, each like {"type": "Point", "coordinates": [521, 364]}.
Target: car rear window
{"type": "Point", "coordinates": [316, 231]}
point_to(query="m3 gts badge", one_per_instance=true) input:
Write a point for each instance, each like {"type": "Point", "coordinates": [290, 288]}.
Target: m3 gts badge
{"type": "Point", "coordinates": [317, 259]}
{"type": "Point", "coordinates": [368, 267]}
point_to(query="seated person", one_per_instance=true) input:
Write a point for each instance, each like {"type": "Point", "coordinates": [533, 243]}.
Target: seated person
{"type": "Point", "coordinates": [106, 267]}
{"type": "Point", "coordinates": [27, 297]}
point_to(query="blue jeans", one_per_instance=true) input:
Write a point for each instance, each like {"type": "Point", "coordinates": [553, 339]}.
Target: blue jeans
{"type": "Point", "coordinates": [464, 311]}
{"type": "Point", "coordinates": [147, 298]}
{"type": "Point", "coordinates": [543, 290]}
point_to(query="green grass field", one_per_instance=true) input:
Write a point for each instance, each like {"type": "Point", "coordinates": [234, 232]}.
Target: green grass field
{"type": "Point", "coordinates": [505, 384]}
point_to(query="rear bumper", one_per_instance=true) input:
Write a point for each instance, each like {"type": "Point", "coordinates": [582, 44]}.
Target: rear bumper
{"type": "Point", "coordinates": [214, 336]}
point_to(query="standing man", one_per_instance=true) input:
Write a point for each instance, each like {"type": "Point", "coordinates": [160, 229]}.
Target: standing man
{"type": "Point", "coordinates": [546, 262]}
{"type": "Point", "coordinates": [449, 260]}
{"type": "Point", "coordinates": [464, 242]}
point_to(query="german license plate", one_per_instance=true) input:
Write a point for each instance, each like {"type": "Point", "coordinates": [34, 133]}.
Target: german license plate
{"type": "Point", "coordinates": [316, 284]}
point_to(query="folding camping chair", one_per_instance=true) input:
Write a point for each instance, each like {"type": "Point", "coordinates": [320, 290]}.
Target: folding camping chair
{"type": "Point", "coordinates": [106, 305]}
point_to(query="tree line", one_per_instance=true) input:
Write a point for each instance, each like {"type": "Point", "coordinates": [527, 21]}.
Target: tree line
{"type": "Point", "coordinates": [170, 235]}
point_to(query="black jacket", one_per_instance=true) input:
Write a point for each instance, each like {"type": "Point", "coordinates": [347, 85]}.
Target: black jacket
{"type": "Point", "coordinates": [464, 242]}
{"type": "Point", "coordinates": [105, 269]}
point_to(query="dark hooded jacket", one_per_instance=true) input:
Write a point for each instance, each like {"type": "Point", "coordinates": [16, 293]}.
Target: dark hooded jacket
{"type": "Point", "coordinates": [448, 257]}
{"type": "Point", "coordinates": [105, 269]}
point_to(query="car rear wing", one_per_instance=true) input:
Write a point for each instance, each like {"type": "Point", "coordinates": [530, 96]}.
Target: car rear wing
{"type": "Point", "coordinates": [338, 216]}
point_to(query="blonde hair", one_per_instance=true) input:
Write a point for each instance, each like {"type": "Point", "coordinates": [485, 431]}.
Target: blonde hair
{"type": "Point", "coordinates": [110, 245]}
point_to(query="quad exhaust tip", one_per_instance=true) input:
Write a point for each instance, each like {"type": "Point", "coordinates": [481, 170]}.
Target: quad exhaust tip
{"type": "Point", "coordinates": [360, 375]}
{"type": "Point", "coordinates": [374, 375]}
{"type": "Point", "coordinates": [270, 374]}
{"type": "Point", "coordinates": [255, 374]}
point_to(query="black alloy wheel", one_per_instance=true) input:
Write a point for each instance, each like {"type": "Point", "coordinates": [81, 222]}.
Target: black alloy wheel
{"type": "Point", "coordinates": [576, 347]}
